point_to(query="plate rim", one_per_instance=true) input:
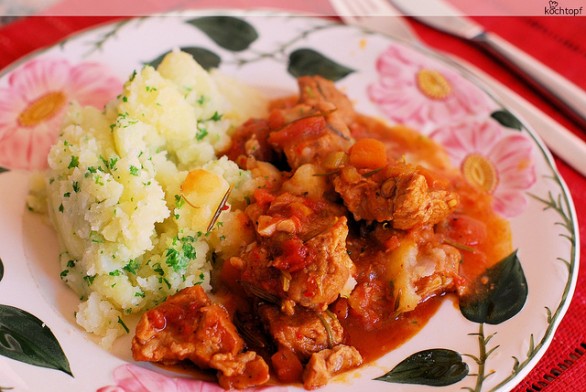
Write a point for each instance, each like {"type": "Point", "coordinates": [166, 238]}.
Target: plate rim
{"type": "Point", "coordinates": [549, 159]}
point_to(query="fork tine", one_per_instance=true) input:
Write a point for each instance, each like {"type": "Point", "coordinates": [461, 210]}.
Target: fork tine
{"type": "Point", "coordinates": [358, 8]}
{"type": "Point", "coordinates": [343, 8]}
{"type": "Point", "coordinates": [374, 15]}
{"type": "Point", "coordinates": [380, 8]}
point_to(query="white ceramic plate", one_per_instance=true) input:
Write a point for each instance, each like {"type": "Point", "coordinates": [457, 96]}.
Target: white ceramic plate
{"type": "Point", "coordinates": [384, 78]}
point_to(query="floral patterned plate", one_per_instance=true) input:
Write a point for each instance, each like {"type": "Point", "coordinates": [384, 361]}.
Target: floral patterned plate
{"type": "Point", "coordinates": [41, 348]}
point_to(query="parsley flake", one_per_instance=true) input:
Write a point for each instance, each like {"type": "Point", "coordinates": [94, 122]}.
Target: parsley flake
{"type": "Point", "coordinates": [181, 254]}
{"type": "Point", "coordinates": [201, 132]}
{"type": "Point", "coordinates": [89, 279]}
{"type": "Point", "coordinates": [74, 162]}
{"type": "Point", "coordinates": [179, 201]}
{"type": "Point", "coordinates": [216, 117]}
{"type": "Point", "coordinates": [132, 266]}
{"type": "Point", "coordinates": [111, 163]}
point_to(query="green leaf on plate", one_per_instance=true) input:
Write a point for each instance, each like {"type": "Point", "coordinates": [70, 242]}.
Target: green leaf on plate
{"type": "Point", "coordinates": [304, 62]}
{"type": "Point", "coordinates": [507, 119]}
{"type": "Point", "coordinates": [25, 338]}
{"type": "Point", "coordinates": [3, 169]}
{"type": "Point", "coordinates": [228, 32]}
{"type": "Point", "coordinates": [1, 269]}
{"type": "Point", "coordinates": [498, 294]}
{"type": "Point", "coordinates": [206, 58]}
{"type": "Point", "coordinates": [434, 367]}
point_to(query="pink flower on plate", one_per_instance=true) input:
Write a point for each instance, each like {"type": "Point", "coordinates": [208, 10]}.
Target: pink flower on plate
{"type": "Point", "coordinates": [33, 104]}
{"type": "Point", "coordinates": [131, 378]}
{"type": "Point", "coordinates": [420, 92]}
{"type": "Point", "coordinates": [491, 159]}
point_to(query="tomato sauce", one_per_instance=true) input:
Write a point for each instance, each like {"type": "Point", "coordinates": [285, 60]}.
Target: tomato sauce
{"type": "Point", "coordinates": [482, 237]}
{"type": "Point", "coordinates": [475, 204]}
{"type": "Point", "coordinates": [398, 275]}
{"type": "Point", "coordinates": [373, 344]}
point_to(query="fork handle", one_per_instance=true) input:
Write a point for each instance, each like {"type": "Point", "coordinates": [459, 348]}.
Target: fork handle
{"type": "Point", "coordinates": [560, 91]}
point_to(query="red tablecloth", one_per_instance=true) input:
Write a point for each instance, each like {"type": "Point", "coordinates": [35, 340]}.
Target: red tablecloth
{"type": "Point", "coordinates": [557, 41]}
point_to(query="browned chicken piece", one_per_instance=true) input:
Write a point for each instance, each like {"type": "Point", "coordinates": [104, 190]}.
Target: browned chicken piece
{"type": "Point", "coordinates": [188, 326]}
{"type": "Point", "coordinates": [310, 139]}
{"type": "Point", "coordinates": [287, 214]}
{"type": "Point", "coordinates": [304, 333]}
{"type": "Point", "coordinates": [317, 126]}
{"type": "Point", "coordinates": [321, 281]}
{"type": "Point", "coordinates": [398, 193]}
{"type": "Point", "coordinates": [243, 371]}
{"type": "Point", "coordinates": [316, 90]}
{"type": "Point", "coordinates": [306, 132]}
{"type": "Point", "coordinates": [322, 366]}
{"type": "Point", "coordinates": [300, 254]}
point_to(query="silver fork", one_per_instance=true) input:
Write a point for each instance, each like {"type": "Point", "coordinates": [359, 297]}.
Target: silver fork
{"type": "Point", "coordinates": [375, 15]}
{"type": "Point", "coordinates": [381, 17]}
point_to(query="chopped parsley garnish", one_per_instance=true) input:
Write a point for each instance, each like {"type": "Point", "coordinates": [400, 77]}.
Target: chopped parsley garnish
{"type": "Point", "coordinates": [111, 163]}
{"type": "Point", "coordinates": [74, 162]}
{"type": "Point", "coordinates": [179, 256]}
{"type": "Point", "coordinates": [91, 170]}
{"type": "Point", "coordinates": [179, 201]}
{"type": "Point", "coordinates": [216, 117]}
{"type": "Point", "coordinates": [132, 266]}
{"type": "Point", "coordinates": [98, 180]}
{"type": "Point", "coordinates": [123, 120]}
{"type": "Point", "coordinates": [201, 132]}
{"type": "Point", "coordinates": [89, 279]}
{"type": "Point", "coordinates": [134, 170]}
{"type": "Point", "coordinates": [157, 268]}
{"type": "Point", "coordinates": [114, 273]}
{"type": "Point", "coordinates": [76, 187]}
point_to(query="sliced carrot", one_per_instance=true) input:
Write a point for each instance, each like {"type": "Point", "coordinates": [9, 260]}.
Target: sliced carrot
{"type": "Point", "coordinates": [368, 153]}
{"type": "Point", "coordinates": [287, 365]}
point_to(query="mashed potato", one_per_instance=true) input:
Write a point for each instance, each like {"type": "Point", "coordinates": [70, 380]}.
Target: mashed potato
{"type": "Point", "coordinates": [128, 237]}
